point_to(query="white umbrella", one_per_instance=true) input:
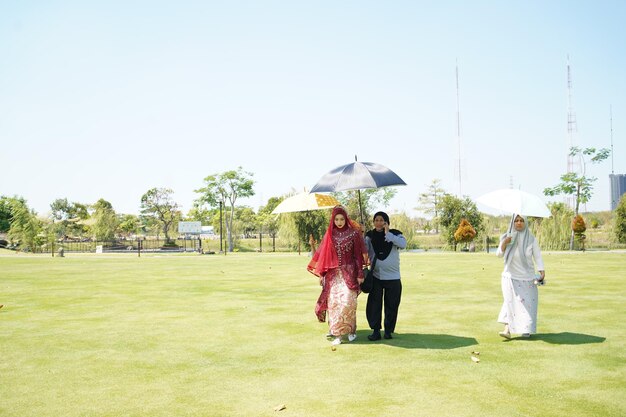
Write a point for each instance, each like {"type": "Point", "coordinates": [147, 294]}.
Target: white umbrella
{"type": "Point", "coordinates": [305, 202]}
{"type": "Point", "coordinates": [513, 201]}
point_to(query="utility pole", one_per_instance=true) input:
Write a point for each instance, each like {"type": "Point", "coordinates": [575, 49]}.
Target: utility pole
{"type": "Point", "coordinates": [221, 226]}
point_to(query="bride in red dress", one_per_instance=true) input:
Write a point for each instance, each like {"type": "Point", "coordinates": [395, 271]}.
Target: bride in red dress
{"type": "Point", "coordinates": [338, 262]}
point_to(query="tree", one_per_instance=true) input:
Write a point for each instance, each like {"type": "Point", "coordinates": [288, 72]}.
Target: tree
{"type": "Point", "coordinates": [579, 227]}
{"type": "Point", "coordinates": [227, 186]}
{"type": "Point", "coordinates": [407, 226]}
{"type": "Point", "coordinates": [128, 224]}
{"type": "Point", "coordinates": [268, 222]}
{"type": "Point", "coordinates": [5, 212]}
{"type": "Point", "coordinates": [578, 185]}
{"type": "Point", "coordinates": [430, 200]}
{"type": "Point", "coordinates": [150, 225]}
{"type": "Point", "coordinates": [26, 229]}
{"type": "Point", "coordinates": [369, 198]}
{"type": "Point", "coordinates": [246, 221]}
{"type": "Point", "coordinates": [311, 226]}
{"type": "Point", "coordinates": [201, 214]}
{"type": "Point", "coordinates": [157, 203]}
{"type": "Point", "coordinates": [465, 232]}
{"type": "Point", "coordinates": [67, 217]}
{"type": "Point", "coordinates": [105, 220]}
{"type": "Point", "coordinates": [454, 209]}
{"type": "Point", "coordinates": [553, 232]}
{"type": "Point", "coordinates": [63, 210]}
{"type": "Point", "coordinates": [620, 220]}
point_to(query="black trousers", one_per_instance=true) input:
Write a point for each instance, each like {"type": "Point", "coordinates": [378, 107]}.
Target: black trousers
{"type": "Point", "coordinates": [387, 293]}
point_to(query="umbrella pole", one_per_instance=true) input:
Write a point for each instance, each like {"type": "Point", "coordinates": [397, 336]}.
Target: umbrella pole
{"type": "Point", "coordinates": [361, 210]}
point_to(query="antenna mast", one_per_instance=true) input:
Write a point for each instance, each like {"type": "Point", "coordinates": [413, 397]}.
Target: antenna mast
{"type": "Point", "coordinates": [571, 119]}
{"type": "Point", "coordinates": [571, 129]}
{"type": "Point", "coordinates": [611, 118]}
{"type": "Point", "coordinates": [458, 128]}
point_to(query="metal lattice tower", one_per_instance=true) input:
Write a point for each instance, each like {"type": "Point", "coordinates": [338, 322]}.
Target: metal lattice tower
{"type": "Point", "coordinates": [571, 119]}
{"type": "Point", "coordinates": [611, 122]}
{"type": "Point", "coordinates": [572, 128]}
{"type": "Point", "coordinates": [458, 131]}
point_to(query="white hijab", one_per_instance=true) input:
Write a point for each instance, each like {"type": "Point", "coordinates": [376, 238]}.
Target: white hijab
{"type": "Point", "coordinates": [523, 240]}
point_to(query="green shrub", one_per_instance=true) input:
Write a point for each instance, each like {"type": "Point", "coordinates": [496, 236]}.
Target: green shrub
{"type": "Point", "coordinates": [620, 220]}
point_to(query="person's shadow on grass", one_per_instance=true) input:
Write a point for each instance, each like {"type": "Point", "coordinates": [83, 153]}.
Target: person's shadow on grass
{"type": "Point", "coordinates": [566, 338]}
{"type": "Point", "coordinates": [423, 341]}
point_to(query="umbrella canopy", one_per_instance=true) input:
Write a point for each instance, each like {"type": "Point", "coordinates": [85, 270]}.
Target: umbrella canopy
{"type": "Point", "coordinates": [357, 176]}
{"type": "Point", "coordinates": [305, 202]}
{"type": "Point", "coordinates": [515, 201]}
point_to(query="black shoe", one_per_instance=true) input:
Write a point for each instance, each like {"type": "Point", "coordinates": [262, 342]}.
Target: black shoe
{"type": "Point", "coordinates": [388, 335]}
{"type": "Point", "coordinates": [374, 336]}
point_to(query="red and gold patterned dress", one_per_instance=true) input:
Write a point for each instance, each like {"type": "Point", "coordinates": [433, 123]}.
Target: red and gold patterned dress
{"type": "Point", "coordinates": [339, 263]}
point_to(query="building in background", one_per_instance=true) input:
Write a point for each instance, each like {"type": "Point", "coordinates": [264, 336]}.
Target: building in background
{"type": "Point", "coordinates": [618, 188]}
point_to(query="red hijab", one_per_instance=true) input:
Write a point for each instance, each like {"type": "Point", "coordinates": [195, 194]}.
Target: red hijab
{"type": "Point", "coordinates": [325, 257]}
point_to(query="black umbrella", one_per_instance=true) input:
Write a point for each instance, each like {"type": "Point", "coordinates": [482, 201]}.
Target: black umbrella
{"type": "Point", "coordinates": [357, 176]}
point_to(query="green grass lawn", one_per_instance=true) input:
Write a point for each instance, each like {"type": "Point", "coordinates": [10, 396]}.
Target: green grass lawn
{"type": "Point", "coordinates": [235, 335]}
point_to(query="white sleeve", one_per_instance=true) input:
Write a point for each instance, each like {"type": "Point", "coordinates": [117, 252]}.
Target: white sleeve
{"type": "Point", "coordinates": [537, 256]}
{"type": "Point", "coordinates": [499, 252]}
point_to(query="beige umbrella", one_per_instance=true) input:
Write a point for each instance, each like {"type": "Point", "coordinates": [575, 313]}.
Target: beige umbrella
{"type": "Point", "coordinates": [305, 202]}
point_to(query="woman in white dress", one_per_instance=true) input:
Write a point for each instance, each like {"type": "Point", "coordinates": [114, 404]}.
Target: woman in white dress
{"type": "Point", "coordinates": [519, 283]}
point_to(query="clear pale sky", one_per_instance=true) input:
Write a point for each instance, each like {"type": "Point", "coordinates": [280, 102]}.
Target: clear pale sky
{"type": "Point", "coordinates": [109, 99]}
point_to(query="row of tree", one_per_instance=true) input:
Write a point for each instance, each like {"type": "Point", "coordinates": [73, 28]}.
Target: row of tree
{"type": "Point", "coordinates": [99, 221]}
{"type": "Point", "coordinates": [578, 186]}
{"type": "Point", "coordinates": [457, 219]}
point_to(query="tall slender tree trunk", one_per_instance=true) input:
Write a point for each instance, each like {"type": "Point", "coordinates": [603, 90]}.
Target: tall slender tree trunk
{"type": "Point", "coordinates": [571, 237]}
{"type": "Point", "coordinates": [229, 228]}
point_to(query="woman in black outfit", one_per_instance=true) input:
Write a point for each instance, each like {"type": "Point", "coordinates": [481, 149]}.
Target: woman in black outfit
{"type": "Point", "coordinates": [384, 244]}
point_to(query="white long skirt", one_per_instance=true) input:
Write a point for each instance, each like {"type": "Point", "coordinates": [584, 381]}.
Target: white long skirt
{"type": "Point", "coordinates": [519, 309]}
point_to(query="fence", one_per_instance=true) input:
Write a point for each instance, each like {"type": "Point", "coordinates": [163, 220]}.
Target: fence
{"type": "Point", "coordinates": [125, 245]}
